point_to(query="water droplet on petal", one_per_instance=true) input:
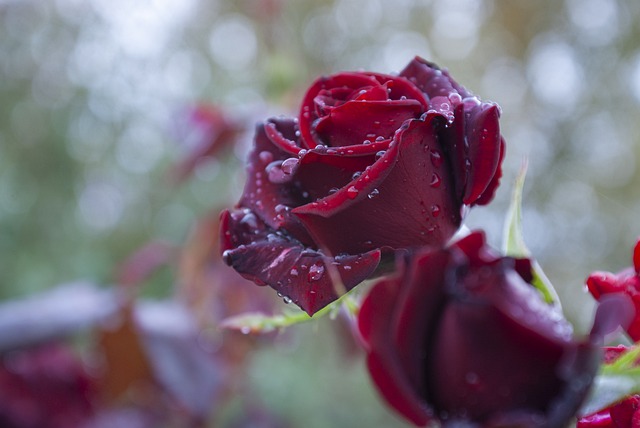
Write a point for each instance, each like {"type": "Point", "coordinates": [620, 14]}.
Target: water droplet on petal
{"type": "Point", "coordinates": [455, 98]}
{"type": "Point", "coordinates": [366, 142]}
{"type": "Point", "coordinates": [226, 257]}
{"type": "Point", "coordinates": [287, 299]}
{"type": "Point", "coordinates": [333, 190]}
{"type": "Point", "coordinates": [373, 193]}
{"type": "Point", "coordinates": [301, 153]}
{"type": "Point", "coordinates": [435, 180]}
{"type": "Point", "coordinates": [289, 166]}
{"type": "Point", "coordinates": [435, 210]}
{"type": "Point", "coordinates": [380, 154]}
{"type": "Point", "coordinates": [315, 272]}
{"type": "Point", "coordinates": [436, 158]}
{"type": "Point", "coordinates": [250, 220]}
{"type": "Point", "coordinates": [356, 175]}
{"type": "Point", "coordinates": [294, 272]}
{"type": "Point", "coordinates": [245, 329]}
{"type": "Point", "coordinates": [265, 156]}
{"type": "Point", "coordinates": [471, 102]}
{"type": "Point", "coordinates": [352, 192]}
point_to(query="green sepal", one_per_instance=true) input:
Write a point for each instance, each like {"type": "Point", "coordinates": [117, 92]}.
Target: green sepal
{"type": "Point", "coordinates": [615, 382]}
{"type": "Point", "coordinates": [514, 246]}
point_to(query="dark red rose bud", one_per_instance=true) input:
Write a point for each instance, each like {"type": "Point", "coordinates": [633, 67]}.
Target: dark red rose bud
{"type": "Point", "coordinates": [460, 336]}
{"type": "Point", "coordinates": [601, 284]}
{"type": "Point", "coordinates": [624, 414]}
{"type": "Point", "coordinates": [374, 163]}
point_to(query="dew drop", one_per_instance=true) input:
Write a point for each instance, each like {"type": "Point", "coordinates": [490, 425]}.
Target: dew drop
{"type": "Point", "coordinates": [352, 192]}
{"type": "Point", "coordinates": [380, 154]}
{"type": "Point", "coordinates": [365, 142]}
{"type": "Point", "coordinates": [373, 193]}
{"type": "Point", "coordinates": [435, 210]}
{"type": "Point", "coordinates": [287, 299]}
{"type": "Point", "coordinates": [315, 272]}
{"type": "Point", "coordinates": [250, 220]}
{"type": "Point", "coordinates": [356, 175]}
{"type": "Point", "coordinates": [455, 98]}
{"type": "Point", "coordinates": [275, 173]}
{"type": "Point", "coordinates": [436, 158]}
{"type": "Point", "coordinates": [281, 208]}
{"type": "Point", "coordinates": [379, 138]}
{"type": "Point", "coordinates": [346, 267]}
{"type": "Point", "coordinates": [435, 180]}
{"type": "Point", "coordinates": [467, 163]}
{"type": "Point", "coordinates": [333, 190]}
{"type": "Point", "coordinates": [471, 102]}
{"type": "Point", "coordinates": [245, 329]}
{"type": "Point", "coordinates": [294, 272]}
{"type": "Point", "coordinates": [301, 153]}
{"type": "Point", "coordinates": [289, 166]}
{"type": "Point", "coordinates": [265, 156]}
{"type": "Point", "coordinates": [226, 257]}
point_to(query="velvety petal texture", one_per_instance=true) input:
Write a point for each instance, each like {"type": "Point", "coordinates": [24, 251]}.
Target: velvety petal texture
{"type": "Point", "coordinates": [602, 284]}
{"type": "Point", "coordinates": [375, 163]}
{"type": "Point", "coordinates": [459, 336]}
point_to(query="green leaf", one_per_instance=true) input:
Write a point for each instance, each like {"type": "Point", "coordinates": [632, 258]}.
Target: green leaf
{"type": "Point", "coordinates": [514, 245]}
{"type": "Point", "coordinates": [615, 382]}
{"type": "Point", "coordinates": [607, 390]}
{"type": "Point", "coordinates": [259, 323]}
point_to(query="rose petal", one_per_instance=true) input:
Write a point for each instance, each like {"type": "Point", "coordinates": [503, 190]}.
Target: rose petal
{"type": "Point", "coordinates": [431, 79]}
{"type": "Point", "coordinates": [382, 361]}
{"type": "Point", "coordinates": [301, 274]}
{"type": "Point", "coordinates": [399, 87]}
{"type": "Point", "coordinates": [307, 111]}
{"type": "Point", "coordinates": [268, 199]}
{"type": "Point", "coordinates": [490, 191]}
{"type": "Point", "coordinates": [418, 309]}
{"type": "Point", "coordinates": [636, 257]}
{"type": "Point", "coordinates": [494, 329]}
{"type": "Point", "coordinates": [356, 121]}
{"type": "Point", "coordinates": [485, 149]}
{"type": "Point", "coordinates": [406, 178]}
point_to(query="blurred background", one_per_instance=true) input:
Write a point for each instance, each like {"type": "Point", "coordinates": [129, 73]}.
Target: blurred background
{"type": "Point", "coordinates": [96, 110]}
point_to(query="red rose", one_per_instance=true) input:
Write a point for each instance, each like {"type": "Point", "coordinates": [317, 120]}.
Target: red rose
{"type": "Point", "coordinates": [460, 336]}
{"type": "Point", "coordinates": [375, 162]}
{"type": "Point", "coordinates": [625, 414]}
{"type": "Point", "coordinates": [45, 387]}
{"type": "Point", "coordinates": [627, 281]}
